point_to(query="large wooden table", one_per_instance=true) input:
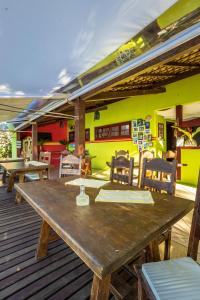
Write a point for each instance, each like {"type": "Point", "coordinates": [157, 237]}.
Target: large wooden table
{"type": "Point", "coordinates": [104, 235]}
{"type": "Point", "coordinates": [20, 168]}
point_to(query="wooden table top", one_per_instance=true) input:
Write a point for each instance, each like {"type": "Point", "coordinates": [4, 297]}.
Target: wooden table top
{"type": "Point", "coordinates": [103, 235]}
{"type": "Point", "coordinates": [8, 160]}
{"type": "Point", "coordinates": [20, 166]}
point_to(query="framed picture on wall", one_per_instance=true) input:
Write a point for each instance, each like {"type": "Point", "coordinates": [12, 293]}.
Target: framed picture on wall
{"type": "Point", "coordinates": [161, 131]}
{"type": "Point", "coordinates": [140, 136]}
{"type": "Point", "coordinates": [134, 123]}
{"type": "Point", "coordinates": [141, 128]}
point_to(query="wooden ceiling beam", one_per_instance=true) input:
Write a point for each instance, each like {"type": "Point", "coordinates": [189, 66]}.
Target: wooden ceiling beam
{"type": "Point", "coordinates": [161, 59]}
{"type": "Point", "coordinates": [182, 64]}
{"type": "Point", "coordinates": [125, 94]}
{"type": "Point", "coordinates": [177, 78]}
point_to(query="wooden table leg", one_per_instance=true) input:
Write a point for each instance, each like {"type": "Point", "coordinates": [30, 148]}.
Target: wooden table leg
{"type": "Point", "coordinates": [42, 247]}
{"type": "Point", "coordinates": [10, 182]}
{"type": "Point", "coordinates": [155, 253]}
{"type": "Point", "coordinates": [100, 288]}
{"type": "Point", "coordinates": [4, 176]}
{"type": "Point", "coordinates": [40, 173]}
{"type": "Point", "coordinates": [18, 198]}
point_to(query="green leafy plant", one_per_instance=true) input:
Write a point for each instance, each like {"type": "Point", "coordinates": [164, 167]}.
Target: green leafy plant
{"type": "Point", "coordinates": [5, 144]}
{"type": "Point", "coordinates": [189, 135]}
{"type": "Point", "coordinates": [64, 142]}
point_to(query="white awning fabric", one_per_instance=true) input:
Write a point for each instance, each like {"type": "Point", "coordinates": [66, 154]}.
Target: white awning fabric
{"type": "Point", "coordinates": [46, 44]}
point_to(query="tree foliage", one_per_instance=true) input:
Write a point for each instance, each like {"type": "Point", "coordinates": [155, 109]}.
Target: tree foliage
{"type": "Point", "coordinates": [5, 144]}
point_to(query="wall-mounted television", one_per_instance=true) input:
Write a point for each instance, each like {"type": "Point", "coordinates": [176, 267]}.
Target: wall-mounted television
{"type": "Point", "coordinates": [44, 136]}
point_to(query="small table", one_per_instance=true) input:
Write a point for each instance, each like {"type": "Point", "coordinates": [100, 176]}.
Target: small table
{"type": "Point", "coordinates": [7, 160]}
{"type": "Point", "coordinates": [20, 168]}
{"type": "Point", "coordinates": [104, 235]}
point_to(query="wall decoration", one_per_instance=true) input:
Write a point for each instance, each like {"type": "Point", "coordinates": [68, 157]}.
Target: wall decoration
{"type": "Point", "coordinates": [145, 137]}
{"type": "Point", "coordinates": [147, 125]}
{"type": "Point", "coordinates": [141, 134]}
{"type": "Point", "coordinates": [140, 122]}
{"type": "Point", "coordinates": [150, 144]}
{"type": "Point", "coordinates": [161, 131]}
{"type": "Point", "coordinates": [134, 123]}
{"type": "Point", "coordinates": [141, 128]}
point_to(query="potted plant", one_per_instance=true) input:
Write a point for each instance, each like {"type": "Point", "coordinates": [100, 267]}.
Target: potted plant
{"type": "Point", "coordinates": [188, 136]}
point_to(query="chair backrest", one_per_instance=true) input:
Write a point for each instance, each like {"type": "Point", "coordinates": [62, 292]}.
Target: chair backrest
{"type": "Point", "coordinates": [159, 167]}
{"type": "Point", "coordinates": [45, 157]}
{"type": "Point", "coordinates": [122, 153]}
{"type": "Point", "coordinates": [143, 154]}
{"type": "Point", "coordinates": [122, 170]}
{"type": "Point", "coordinates": [69, 165]}
{"type": "Point", "coordinates": [195, 226]}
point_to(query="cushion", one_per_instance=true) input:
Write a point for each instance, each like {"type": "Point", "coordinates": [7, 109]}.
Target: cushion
{"type": "Point", "coordinates": [176, 279]}
{"type": "Point", "coordinates": [33, 176]}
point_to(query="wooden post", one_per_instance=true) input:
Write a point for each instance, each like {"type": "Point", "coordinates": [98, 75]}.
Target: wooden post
{"type": "Point", "coordinates": [79, 127]}
{"type": "Point", "coordinates": [17, 145]}
{"type": "Point", "coordinates": [179, 122]}
{"type": "Point", "coordinates": [34, 142]}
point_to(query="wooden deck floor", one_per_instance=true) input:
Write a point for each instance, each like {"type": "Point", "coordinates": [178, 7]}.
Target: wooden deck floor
{"type": "Point", "coordinates": [62, 275]}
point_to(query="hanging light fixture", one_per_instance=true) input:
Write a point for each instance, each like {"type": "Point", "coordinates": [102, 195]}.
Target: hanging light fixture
{"type": "Point", "coordinates": [96, 115]}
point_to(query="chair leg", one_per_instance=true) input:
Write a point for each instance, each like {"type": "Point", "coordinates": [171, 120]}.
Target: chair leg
{"type": "Point", "coordinates": [140, 289]}
{"type": "Point", "coordinates": [167, 246]}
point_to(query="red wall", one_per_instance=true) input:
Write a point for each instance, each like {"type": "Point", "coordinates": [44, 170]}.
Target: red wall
{"type": "Point", "coordinates": [56, 131]}
{"type": "Point", "coordinates": [57, 134]}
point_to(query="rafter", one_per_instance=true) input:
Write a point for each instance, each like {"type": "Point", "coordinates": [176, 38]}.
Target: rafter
{"type": "Point", "coordinates": [182, 64]}
{"type": "Point", "coordinates": [125, 94]}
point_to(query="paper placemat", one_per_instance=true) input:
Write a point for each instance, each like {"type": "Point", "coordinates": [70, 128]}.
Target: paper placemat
{"type": "Point", "coordinates": [36, 163]}
{"type": "Point", "coordinates": [119, 196]}
{"type": "Point", "coordinates": [94, 183]}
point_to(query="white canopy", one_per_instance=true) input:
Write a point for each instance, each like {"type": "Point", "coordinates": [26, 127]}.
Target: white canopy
{"type": "Point", "coordinates": [47, 43]}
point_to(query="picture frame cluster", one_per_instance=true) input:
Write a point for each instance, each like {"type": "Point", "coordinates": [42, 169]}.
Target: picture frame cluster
{"type": "Point", "coordinates": [141, 134]}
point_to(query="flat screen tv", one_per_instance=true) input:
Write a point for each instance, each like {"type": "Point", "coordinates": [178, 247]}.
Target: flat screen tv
{"type": "Point", "coordinates": [44, 136]}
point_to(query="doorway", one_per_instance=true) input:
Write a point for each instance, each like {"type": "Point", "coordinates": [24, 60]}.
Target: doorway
{"type": "Point", "coordinates": [171, 140]}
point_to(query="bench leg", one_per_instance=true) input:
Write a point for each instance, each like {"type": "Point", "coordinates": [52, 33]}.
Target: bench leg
{"type": "Point", "coordinates": [100, 288]}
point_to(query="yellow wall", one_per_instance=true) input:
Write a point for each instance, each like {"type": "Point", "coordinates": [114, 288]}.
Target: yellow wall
{"type": "Point", "coordinates": [181, 92]}
{"type": "Point", "coordinates": [184, 91]}
{"type": "Point", "coordinates": [189, 173]}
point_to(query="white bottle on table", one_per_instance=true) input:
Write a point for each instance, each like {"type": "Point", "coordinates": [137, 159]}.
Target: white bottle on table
{"type": "Point", "coordinates": [82, 199]}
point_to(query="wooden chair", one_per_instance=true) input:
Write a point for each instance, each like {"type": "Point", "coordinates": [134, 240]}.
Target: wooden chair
{"type": "Point", "coordinates": [126, 170]}
{"type": "Point", "coordinates": [158, 167]}
{"type": "Point", "coordinates": [143, 154]}
{"type": "Point", "coordinates": [178, 278]}
{"type": "Point", "coordinates": [44, 157]}
{"type": "Point", "coordinates": [122, 153]}
{"type": "Point", "coordinates": [69, 165]}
